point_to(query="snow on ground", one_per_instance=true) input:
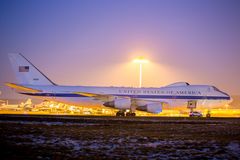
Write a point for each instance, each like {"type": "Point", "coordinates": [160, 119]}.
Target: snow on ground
{"type": "Point", "coordinates": [133, 147]}
{"type": "Point", "coordinates": [46, 123]}
{"type": "Point", "coordinates": [234, 148]}
{"type": "Point", "coordinates": [86, 139]}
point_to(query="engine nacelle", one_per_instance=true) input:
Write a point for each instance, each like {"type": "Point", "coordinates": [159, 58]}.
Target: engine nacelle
{"type": "Point", "coordinates": [120, 103]}
{"type": "Point", "coordinates": [151, 107]}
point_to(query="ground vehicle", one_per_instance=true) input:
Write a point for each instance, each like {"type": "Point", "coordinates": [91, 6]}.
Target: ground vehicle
{"type": "Point", "coordinates": [195, 114]}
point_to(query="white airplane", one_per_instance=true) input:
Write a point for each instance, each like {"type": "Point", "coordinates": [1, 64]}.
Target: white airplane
{"type": "Point", "coordinates": [32, 82]}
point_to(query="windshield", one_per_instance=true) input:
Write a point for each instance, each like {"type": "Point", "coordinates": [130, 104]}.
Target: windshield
{"type": "Point", "coordinates": [216, 89]}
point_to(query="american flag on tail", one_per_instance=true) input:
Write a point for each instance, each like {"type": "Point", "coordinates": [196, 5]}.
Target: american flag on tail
{"type": "Point", "coordinates": [23, 68]}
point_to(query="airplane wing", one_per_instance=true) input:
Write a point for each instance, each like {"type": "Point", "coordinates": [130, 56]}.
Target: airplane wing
{"type": "Point", "coordinates": [102, 97]}
{"type": "Point", "coordinates": [108, 97]}
{"type": "Point", "coordinates": [22, 88]}
{"type": "Point", "coordinates": [140, 104]}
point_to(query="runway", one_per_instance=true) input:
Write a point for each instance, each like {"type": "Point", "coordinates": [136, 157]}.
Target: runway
{"type": "Point", "coordinates": [95, 137]}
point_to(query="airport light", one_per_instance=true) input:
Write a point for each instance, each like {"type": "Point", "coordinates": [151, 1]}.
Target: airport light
{"type": "Point", "coordinates": [140, 61]}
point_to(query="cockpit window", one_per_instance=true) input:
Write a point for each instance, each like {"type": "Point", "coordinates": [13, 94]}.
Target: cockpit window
{"type": "Point", "coordinates": [216, 89]}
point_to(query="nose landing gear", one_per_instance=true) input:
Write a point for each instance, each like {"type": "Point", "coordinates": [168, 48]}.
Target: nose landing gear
{"type": "Point", "coordinates": [208, 115]}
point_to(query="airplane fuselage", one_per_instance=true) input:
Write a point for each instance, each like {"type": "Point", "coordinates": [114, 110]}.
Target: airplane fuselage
{"type": "Point", "coordinates": [32, 82]}
{"type": "Point", "coordinates": [173, 95]}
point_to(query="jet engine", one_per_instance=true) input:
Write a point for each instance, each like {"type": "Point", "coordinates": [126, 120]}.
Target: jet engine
{"type": "Point", "coordinates": [151, 107]}
{"type": "Point", "coordinates": [120, 103]}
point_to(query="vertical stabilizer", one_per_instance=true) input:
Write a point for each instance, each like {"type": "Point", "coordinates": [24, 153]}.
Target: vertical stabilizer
{"type": "Point", "coordinates": [26, 72]}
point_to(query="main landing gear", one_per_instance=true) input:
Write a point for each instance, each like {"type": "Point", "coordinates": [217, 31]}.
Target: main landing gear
{"type": "Point", "coordinates": [123, 113]}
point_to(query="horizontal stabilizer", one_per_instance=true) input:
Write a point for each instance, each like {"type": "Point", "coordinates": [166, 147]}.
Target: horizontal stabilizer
{"type": "Point", "coordinates": [22, 88]}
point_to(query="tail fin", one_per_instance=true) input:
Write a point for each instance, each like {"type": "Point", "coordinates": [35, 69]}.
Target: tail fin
{"type": "Point", "coordinates": [26, 72]}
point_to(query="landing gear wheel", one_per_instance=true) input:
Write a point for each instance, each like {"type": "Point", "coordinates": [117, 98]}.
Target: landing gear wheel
{"type": "Point", "coordinates": [120, 114]}
{"type": "Point", "coordinates": [133, 114]}
{"type": "Point", "coordinates": [208, 115]}
{"type": "Point", "coordinates": [130, 114]}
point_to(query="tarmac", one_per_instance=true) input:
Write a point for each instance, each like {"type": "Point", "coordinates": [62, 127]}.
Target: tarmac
{"type": "Point", "coordinates": [102, 137]}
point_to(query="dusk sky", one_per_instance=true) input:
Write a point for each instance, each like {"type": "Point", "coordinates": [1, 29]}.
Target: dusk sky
{"type": "Point", "coordinates": [93, 42]}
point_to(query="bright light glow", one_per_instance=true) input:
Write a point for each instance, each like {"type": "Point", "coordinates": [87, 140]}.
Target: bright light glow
{"type": "Point", "coordinates": [140, 60]}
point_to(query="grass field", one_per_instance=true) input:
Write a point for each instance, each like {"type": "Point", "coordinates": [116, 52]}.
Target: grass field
{"type": "Point", "coordinates": [85, 137]}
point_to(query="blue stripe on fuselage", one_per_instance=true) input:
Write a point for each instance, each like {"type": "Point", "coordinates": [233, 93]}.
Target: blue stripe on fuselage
{"type": "Point", "coordinates": [132, 96]}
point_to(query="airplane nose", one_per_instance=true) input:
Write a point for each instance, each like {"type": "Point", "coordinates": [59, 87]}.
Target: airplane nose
{"type": "Point", "coordinates": [228, 97]}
